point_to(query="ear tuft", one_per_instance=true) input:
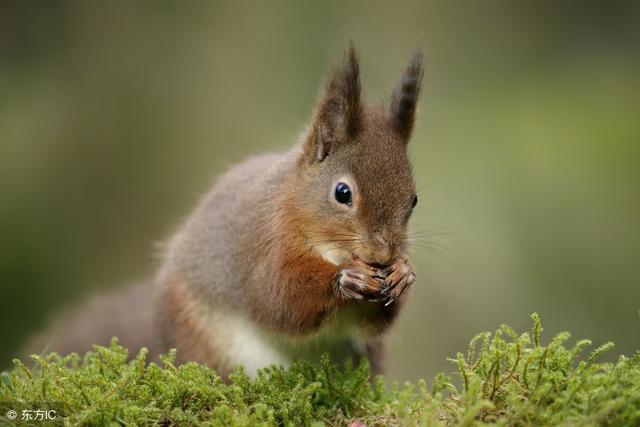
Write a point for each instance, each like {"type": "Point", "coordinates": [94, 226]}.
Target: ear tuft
{"type": "Point", "coordinates": [338, 114]}
{"type": "Point", "coordinates": [405, 97]}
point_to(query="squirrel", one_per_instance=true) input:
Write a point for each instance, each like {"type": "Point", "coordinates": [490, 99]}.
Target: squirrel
{"type": "Point", "coordinates": [289, 255]}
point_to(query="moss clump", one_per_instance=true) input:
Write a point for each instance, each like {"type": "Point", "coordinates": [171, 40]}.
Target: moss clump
{"type": "Point", "coordinates": [505, 378]}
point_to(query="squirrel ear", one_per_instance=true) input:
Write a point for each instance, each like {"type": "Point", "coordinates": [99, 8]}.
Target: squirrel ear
{"type": "Point", "coordinates": [405, 97]}
{"type": "Point", "coordinates": [337, 117]}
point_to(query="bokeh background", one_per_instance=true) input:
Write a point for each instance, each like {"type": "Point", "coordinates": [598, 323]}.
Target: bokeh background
{"type": "Point", "coordinates": [115, 116]}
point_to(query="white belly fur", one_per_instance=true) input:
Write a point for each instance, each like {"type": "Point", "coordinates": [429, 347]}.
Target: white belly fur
{"type": "Point", "coordinates": [244, 343]}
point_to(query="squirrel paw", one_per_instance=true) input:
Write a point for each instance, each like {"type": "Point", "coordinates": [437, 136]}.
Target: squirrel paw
{"type": "Point", "coordinates": [399, 276]}
{"type": "Point", "coordinates": [359, 281]}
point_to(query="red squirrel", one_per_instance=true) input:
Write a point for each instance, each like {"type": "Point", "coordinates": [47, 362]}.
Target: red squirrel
{"type": "Point", "coordinates": [289, 255]}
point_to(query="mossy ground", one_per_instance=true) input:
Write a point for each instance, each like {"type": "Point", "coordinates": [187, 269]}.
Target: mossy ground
{"type": "Point", "coordinates": [504, 378]}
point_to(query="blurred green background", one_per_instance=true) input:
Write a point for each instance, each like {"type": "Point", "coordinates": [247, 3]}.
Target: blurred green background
{"type": "Point", "coordinates": [115, 116]}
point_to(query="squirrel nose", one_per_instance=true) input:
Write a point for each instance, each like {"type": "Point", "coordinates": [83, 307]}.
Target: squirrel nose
{"type": "Point", "coordinates": [382, 257]}
{"type": "Point", "coordinates": [382, 251]}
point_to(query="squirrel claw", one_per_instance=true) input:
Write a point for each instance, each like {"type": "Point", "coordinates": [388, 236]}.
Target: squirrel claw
{"type": "Point", "coordinates": [401, 276]}
{"type": "Point", "coordinates": [356, 285]}
{"type": "Point", "coordinates": [361, 281]}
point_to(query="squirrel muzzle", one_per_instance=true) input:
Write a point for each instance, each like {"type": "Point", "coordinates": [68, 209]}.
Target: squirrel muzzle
{"type": "Point", "coordinates": [379, 250]}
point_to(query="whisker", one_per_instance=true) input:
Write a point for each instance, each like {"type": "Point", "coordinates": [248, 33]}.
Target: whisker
{"type": "Point", "coordinates": [443, 230]}
{"type": "Point", "coordinates": [438, 249]}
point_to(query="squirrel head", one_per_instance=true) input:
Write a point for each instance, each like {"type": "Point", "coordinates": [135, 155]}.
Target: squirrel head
{"type": "Point", "coordinates": [358, 189]}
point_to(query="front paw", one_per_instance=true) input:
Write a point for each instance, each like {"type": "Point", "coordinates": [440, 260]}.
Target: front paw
{"type": "Point", "coordinates": [359, 281]}
{"type": "Point", "coordinates": [399, 276]}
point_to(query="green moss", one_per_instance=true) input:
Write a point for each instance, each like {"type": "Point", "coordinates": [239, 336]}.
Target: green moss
{"type": "Point", "coordinates": [504, 378]}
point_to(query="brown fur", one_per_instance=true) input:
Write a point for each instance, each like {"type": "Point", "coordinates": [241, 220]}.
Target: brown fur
{"type": "Point", "coordinates": [269, 253]}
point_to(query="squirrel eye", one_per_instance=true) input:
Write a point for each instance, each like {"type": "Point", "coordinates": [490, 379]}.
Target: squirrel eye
{"type": "Point", "coordinates": [343, 193]}
{"type": "Point", "coordinates": [415, 202]}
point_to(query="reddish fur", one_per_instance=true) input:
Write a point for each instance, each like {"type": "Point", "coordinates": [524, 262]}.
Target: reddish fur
{"type": "Point", "coordinates": [184, 329]}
